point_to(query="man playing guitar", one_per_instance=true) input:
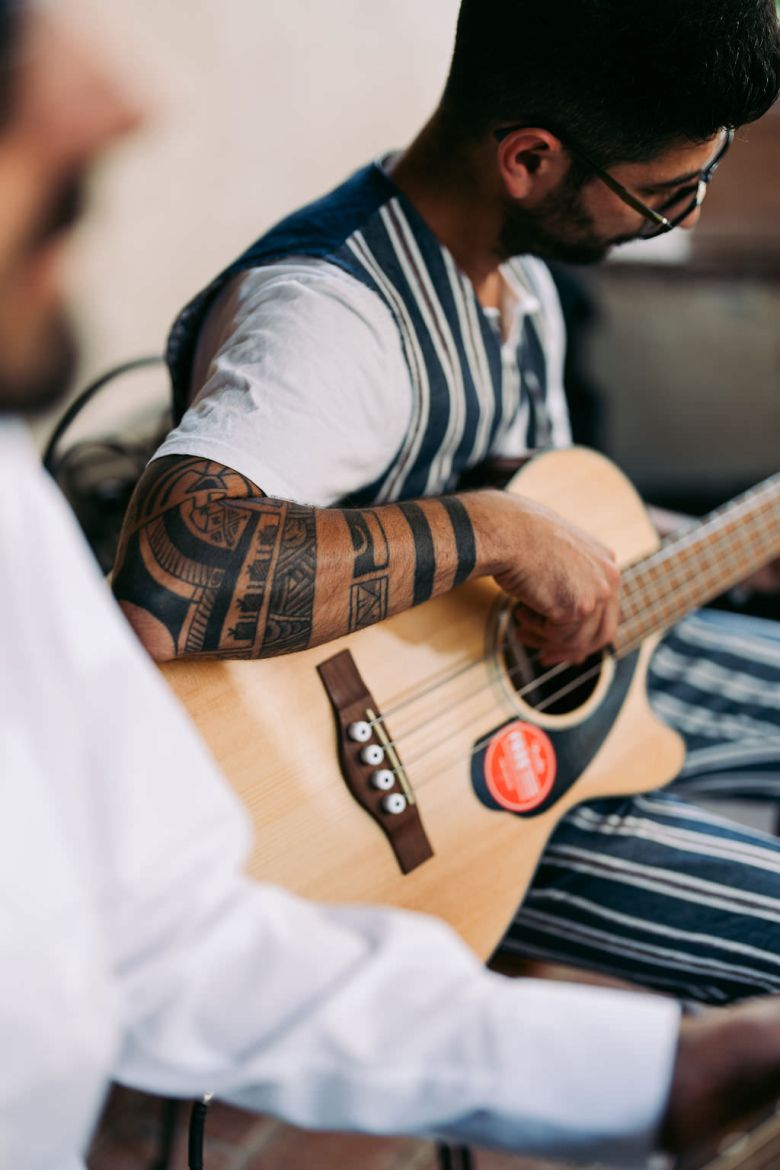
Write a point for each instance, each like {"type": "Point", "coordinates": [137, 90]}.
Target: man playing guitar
{"type": "Point", "coordinates": [335, 384]}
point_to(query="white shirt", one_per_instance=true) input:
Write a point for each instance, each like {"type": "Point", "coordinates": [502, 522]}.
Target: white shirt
{"type": "Point", "coordinates": [302, 385]}
{"type": "Point", "coordinates": [132, 947]}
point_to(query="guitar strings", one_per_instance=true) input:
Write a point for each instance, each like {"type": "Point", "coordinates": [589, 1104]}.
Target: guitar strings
{"type": "Point", "coordinates": [682, 544]}
{"type": "Point", "coordinates": [574, 684]}
{"type": "Point", "coordinates": [664, 611]}
{"type": "Point", "coordinates": [578, 681]}
{"type": "Point", "coordinates": [467, 665]}
{"type": "Point", "coordinates": [722, 523]}
{"type": "Point", "coordinates": [638, 591]}
{"type": "Point", "coordinates": [476, 716]}
{"type": "Point", "coordinates": [742, 561]}
{"type": "Point", "coordinates": [698, 537]}
{"type": "Point", "coordinates": [458, 672]}
{"type": "Point", "coordinates": [536, 682]}
{"type": "Point", "coordinates": [630, 597]}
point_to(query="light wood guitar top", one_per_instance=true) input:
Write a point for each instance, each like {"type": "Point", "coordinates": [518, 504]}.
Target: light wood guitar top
{"type": "Point", "coordinates": [440, 685]}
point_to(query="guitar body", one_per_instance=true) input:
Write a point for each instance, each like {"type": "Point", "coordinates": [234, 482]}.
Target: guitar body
{"type": "Point", "coordinates": [442, 685]}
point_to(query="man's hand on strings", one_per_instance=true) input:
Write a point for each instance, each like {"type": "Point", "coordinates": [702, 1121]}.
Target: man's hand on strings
{"type": "Point", "coordinates": [566, 583]}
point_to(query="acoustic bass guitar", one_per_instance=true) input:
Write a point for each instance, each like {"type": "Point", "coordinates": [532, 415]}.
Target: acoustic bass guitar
{"type": "Point", "coordinates": [425, 761]}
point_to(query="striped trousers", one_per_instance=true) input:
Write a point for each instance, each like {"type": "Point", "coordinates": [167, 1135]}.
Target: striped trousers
{"type": "Point", "coordinates": [655, 889]}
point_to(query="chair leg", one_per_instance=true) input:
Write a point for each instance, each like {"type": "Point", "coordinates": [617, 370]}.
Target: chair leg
{"type": "Point", "coordinates": [169, 1120]}
{"type": "Point", "coordinates": [455, 1158]}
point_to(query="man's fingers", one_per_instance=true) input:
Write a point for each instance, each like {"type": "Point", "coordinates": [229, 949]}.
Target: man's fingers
{"type": "Point", "coordinates": [566, 585]}
{"type": "Point", "coordinates": [572, 642]}
{"type": "Point", "coordinates": [548, 628]}
{"type": "Point", "coordinates": [607, 630]}
{"type": "Point", "coordinates": [534, 625]}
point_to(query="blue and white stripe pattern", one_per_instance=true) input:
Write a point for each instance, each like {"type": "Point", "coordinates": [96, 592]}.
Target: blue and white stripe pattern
{"type": "Point", "coordinates": [462, 398]}
{"type": "Point", "coordinates": [653, 889]}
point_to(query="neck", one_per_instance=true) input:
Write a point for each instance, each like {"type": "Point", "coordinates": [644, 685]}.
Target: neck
{"type": "Point", "coordinates": [449, 188]}
{"type": "Point", "coordinates": [692, 569]}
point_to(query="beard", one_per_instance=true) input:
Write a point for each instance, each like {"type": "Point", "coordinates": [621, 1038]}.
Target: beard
{"type": "Point", "coordinates": [44, 379]}
{"type": "Point", "coordinates": [559, 229]}
{"type": "Point", "coordinates": [38, 349]}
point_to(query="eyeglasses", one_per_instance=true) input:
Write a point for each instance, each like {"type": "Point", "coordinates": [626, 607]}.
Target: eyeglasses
{"type": "Point", "coordinates": [671, 213]}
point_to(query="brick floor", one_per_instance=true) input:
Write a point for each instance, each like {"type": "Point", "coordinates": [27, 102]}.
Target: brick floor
{"type": "Point", "coordinates": [129, 1133]}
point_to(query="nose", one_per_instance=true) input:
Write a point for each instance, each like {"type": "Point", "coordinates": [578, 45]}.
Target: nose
{"type": "Point", "coordinates": [694, 216]}
{"type": "Point", "coordinates": [691, 220]}
{"type": "Point", "coordinates": [81, 104]}
{"type": "Point", "coordinates": [104, 107]}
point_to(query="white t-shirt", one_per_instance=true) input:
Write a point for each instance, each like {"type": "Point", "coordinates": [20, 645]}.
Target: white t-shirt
{"type": "Point", "coordinates": [132, 947]}
{"type": "Point", "coordinates": [302, 385]}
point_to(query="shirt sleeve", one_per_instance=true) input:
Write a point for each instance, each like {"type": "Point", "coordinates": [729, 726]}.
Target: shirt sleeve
{"type": "Point", "coordinates": [303, 384]}
{"type": "Point", "coordinates": [373, 1020]}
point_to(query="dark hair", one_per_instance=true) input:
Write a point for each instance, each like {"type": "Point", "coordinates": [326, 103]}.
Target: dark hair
{"type": "Point", "coordinates": [10, 13]}
{"type": "Point", "coordinates": [623, 78]}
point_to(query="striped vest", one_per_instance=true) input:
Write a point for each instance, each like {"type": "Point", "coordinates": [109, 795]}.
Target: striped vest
{"type": "Point", "coordinates": [368, 228]}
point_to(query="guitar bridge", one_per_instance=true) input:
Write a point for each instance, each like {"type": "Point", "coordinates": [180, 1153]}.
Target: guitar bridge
{"type": "Point", "coordinates": [370, 764]}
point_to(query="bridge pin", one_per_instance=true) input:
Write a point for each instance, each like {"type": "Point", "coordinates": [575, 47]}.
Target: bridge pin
{"type": "Point", "coordinates": [394, 804]}
{"type": "Point", "coordinates": [384, 780]}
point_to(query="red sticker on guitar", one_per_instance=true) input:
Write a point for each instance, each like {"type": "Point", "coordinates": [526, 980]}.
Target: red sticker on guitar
{"type": "Point", "coordinates": [520, 767]}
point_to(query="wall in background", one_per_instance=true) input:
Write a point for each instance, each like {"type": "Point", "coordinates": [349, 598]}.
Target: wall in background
{"type": "Point", "coordinates": [256, 106]}
{"type": "Point", "coordinates": [687, 365]}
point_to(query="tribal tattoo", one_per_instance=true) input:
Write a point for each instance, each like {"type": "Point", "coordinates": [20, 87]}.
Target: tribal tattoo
{"type": "Point", "coordinates": [425, 563]}
{"type": "Point", "coordinates": [368, 595]}
{"type": "Point", "coordinates": [224, 569]}
{"type": "Point", "coordinates": [208, 565]}
{"type": "Point", "coordinates": [465, 543]}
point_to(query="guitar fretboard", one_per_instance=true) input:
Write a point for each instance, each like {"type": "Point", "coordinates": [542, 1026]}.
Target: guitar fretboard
{"type": "Point", "coordinates": [692, 568]}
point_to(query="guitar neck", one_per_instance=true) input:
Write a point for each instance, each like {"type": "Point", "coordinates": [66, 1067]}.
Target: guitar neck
{"type": "Point", "coordinates": [692, 568]}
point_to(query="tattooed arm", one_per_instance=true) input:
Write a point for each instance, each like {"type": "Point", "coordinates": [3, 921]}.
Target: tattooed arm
{"type": "Point", "coordinates": [209, 565]}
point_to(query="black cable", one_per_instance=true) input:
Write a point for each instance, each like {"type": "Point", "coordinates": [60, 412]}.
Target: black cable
{"type": "Point", "coordinates": [197, 1132]}
{"type": "Point", "coordinates": [81, 401]}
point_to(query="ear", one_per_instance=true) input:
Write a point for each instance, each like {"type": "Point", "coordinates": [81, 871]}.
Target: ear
{"type": "Point", "coordinates": [531, 162]}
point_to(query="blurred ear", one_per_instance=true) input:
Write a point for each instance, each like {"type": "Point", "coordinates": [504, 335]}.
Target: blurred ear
{"type": "Point", "coordinates": [532, 163]}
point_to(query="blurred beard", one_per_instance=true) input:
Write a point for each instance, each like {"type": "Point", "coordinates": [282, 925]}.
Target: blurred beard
{"type": "Point", "coordinates": [35, 373]}
{"type": "Point", "coordinates": [559, 229]}
{"type": "Point", "coordinates": [44, 381]}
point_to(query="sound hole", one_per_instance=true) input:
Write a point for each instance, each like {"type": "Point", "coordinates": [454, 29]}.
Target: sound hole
{"type": "Point", "coordinates": [552, 690]}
